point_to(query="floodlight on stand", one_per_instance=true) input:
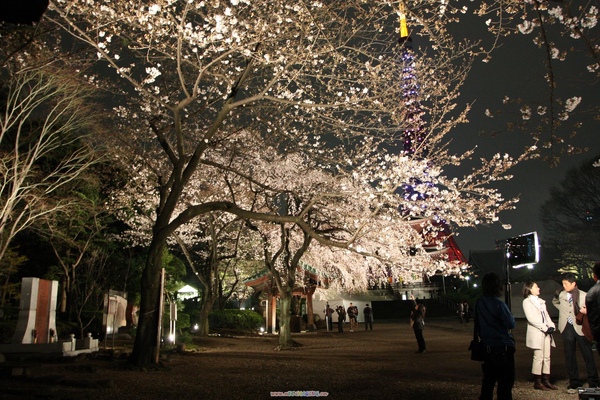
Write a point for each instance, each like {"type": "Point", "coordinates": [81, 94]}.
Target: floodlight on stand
{"type": "Point", "coordinates": [519, 251]}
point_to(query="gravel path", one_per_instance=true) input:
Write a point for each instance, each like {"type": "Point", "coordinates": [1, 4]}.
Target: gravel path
{"type": "Point", "coordinates": [378, 364]}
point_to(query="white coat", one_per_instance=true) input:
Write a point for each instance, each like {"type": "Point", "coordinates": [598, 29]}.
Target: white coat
{"type": "Point", "coordinates": [538, 322]}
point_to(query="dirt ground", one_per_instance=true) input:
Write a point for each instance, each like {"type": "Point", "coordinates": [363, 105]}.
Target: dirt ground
{"type": "Point", "coordinates": [377, 364]}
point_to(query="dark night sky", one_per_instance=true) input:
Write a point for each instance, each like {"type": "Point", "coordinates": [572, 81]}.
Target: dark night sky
{"type": "Point", "coordinates": [517, 70]}
{"type": "Point", "coordinates": [22, 11]}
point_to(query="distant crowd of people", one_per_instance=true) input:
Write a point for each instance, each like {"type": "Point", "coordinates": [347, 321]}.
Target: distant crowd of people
{"type": "Point", "coordinates": [417, 319]}
{"type": "Point", "coordinates": [351, 313]}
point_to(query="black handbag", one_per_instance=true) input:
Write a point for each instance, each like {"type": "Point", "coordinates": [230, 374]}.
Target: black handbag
{"type": "Point", "coordinates": [478, 350]}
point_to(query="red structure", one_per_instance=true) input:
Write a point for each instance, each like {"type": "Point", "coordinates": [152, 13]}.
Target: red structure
{"type": "Point", "coordinates": [305, 290]}
{"type": "Point", "coordinates": [440, 240]}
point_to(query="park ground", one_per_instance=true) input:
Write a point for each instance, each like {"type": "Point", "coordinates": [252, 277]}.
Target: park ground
{"type": "Point", "coordinates": [377, 364]}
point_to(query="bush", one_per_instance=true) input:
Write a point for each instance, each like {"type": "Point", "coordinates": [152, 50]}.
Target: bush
{"type": "Point", "coordinates": [245, 320]}
{"type": "Point", "coordinates": [183, 320]}
{"type": "Point", "coordinates": [184, 337]}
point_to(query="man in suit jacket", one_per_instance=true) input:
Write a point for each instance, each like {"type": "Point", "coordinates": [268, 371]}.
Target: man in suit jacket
{"type": "Point", "coordinates": [569, 302]}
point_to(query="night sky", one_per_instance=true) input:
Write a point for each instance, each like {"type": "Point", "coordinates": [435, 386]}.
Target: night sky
{"type": "Point", "coordinates": [517, 70]}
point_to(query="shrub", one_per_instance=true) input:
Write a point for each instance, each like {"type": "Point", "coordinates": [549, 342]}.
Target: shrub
{"type": "Point", "coordinates": [245, 320]}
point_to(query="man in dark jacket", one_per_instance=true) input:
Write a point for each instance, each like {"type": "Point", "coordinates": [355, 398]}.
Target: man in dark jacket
{"type": "Point", "coordinates": [368, 314]}
{"type": "Point", "coordinates": [493, 325]}
{"type": "Point", "coordinates": [353, 315]}
{"type": "Point", "coordinates": [341, 318]}
{"type": "Point", "coordinates": [592, 302]}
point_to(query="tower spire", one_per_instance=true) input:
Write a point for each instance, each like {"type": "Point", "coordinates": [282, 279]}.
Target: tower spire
{"type": "Point", "coordinates": [414, 129]}
{"type": "Point", "coordinates": [403, 25]}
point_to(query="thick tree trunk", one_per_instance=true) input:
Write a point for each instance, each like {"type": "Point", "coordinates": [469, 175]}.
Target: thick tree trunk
{"type": "Point", "coordinates": [206, 308]}
{"type": "Point", "coordinates": [285, 334]}
{"type": "Point", "coordinates": [72, 298]}
{"type": "Point", "coordinates": [64, 293]}
{"type": "Point", "coordinates": [145, 347]}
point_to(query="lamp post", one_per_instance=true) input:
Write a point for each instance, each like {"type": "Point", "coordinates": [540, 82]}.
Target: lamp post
{"type": "Point", "coordinates": [507, 291]}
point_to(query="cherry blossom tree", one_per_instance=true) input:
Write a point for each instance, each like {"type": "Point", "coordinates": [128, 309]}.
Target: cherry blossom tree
{"type": "Point", "coordinates": [326, 198]}
{"type": "Point", "coordinates": [318, 80]}
{"type": "Point", "coordinates": [215, 245]}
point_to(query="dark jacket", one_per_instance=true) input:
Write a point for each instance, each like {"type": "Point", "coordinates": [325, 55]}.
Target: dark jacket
{"type": "Point", "coordinates": [367, 311]}
{"type": "Point", "coordinates": [418, 322]}
{"type": "Point", "coordinates": [352, 311]}
{"type": "Point", "coordinates": [592, 302]}
{"type": "Point", "coordinates": [341, 314]}
{"type": "Point", "coordinates": [495, 322]}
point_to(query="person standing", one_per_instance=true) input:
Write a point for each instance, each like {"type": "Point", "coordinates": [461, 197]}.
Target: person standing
{"type": "Point", "coordinates": [341, 318]}
{"type": "Point", "coordinates": [352, 316]}
{"type": "Point", "coordinates": [592, 302]}
{"type": "Point", "coordinates": [539, 335]}
{"type": "Point", "coordinates": [466, 311]}
{"type": "Point", "coordinates": [417, 321]}
{"type": "Point", "coordinates": [368, 314]}
{"type": "Point", "coordinates": [329, 317]}
{"type": "Point", "coordinates": [493, 325]}
{"type": "Point", "coordinates": [569, 302]}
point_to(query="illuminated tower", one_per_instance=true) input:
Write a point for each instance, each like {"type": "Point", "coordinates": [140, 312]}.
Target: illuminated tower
{"type": "Point", "coordinates": [438, 240]}
{"type": "Point", "coordinates": [414, 129]}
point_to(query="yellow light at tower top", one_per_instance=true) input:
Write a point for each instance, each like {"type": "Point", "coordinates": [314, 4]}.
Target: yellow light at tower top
{"type": "Point", "coordinates": [403, 26]}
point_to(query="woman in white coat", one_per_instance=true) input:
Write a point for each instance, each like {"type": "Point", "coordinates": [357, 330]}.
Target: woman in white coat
{"type": "Point", "coordinates": [539, 335]}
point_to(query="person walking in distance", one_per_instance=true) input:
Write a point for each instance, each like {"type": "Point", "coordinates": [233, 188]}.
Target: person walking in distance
{"type": "Point", "coordinates": [592, 302]}
{"type": "Point", "coordinates": [417, 322]}
{"type": "Point", "coordinates": [539, 335]}
{"type": "Point", "coordinates": [352, 316]}
{"type": "Point", "coordinates": [368, 314]}
{"type": "Point", "coordinates": [569, 302]}
{"type": "Point", "coordinates": [493, 325]}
